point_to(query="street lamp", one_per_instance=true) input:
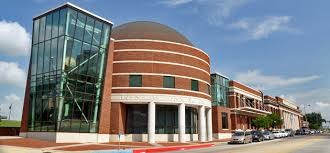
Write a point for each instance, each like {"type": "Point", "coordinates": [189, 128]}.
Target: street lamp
{"type": "Point", "coordinates": [305, 111]}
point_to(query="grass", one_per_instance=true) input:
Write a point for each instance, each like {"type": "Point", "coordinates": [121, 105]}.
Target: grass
{"type": "Point", "coordinates": [11, 123]}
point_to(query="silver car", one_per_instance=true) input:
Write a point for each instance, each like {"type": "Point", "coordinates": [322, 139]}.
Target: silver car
{"type": "Point", "coordinates": [268, 135]}
{"type": "Point", "coordinates": [241, 137]}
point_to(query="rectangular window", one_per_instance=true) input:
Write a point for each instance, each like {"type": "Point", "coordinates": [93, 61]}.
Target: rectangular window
{"type": "Point", "coordinates": [224, 120]}
{"type": "Point", "coordinates": [42, 26]}
{"type": "Point", "coordinates": [89, 29]}
{"type": "Point", "coordinates": [72, 16]}
{"type": "Point", "coordinates": [97, 33]}
{"type": "Point", "coordinates": [80, 26]}
{"type": "Point", "coordinates": [135, 80]}
{"type": "Point", "coordinates": [194, 85]}
{"type": "Point", "coordinates": [168, 82]}
{"type": "Point", "coordinates": [62, 21]}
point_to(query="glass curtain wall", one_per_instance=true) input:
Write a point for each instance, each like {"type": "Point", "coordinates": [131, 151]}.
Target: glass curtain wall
{"type": "Point", "coordinates": [68, 58]}
{"type": "Point", "coordinates": [219, 90]}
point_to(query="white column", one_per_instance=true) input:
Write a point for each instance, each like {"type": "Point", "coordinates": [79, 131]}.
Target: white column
{"type": "Point", "coordinates": [182, 123]}
{"type": "Point", "coordinates": [151, 122]}
{"type": "Point", "coordinates": [201, 124]}
{"type": "Point", "coordinates": [209, 124]}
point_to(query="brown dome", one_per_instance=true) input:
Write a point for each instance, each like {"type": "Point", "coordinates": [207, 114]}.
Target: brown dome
{"type": "Point", "coordinates": [148, 30]}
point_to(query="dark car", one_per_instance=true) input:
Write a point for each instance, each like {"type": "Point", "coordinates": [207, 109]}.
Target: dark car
{"type": "Point", "coordinates": [290, 132]}
{"type": "Point", "coordinates": [257, 136]}
{"type": "Point", "coordinates": [299, 132]}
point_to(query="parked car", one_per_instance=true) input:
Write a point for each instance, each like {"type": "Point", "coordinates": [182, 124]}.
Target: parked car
{"type": "Point", "coordinates": [290, 132]}
{"type": "Point", "coordinates": [284, 134]}
{"type": "Point", "coordinates": [312, 131]}
{"type": "Point", "coordinates": [241, 137]}
{"type": "Point", "coordinates": [307, 131]}
{"type": "Point", "coordinates": [300, 132]}
{"type": "Point", "coordinates": [257, 136]}
{"type": "Point", "coordinates": [277, 134]}
{"type": "Point", "coordinates": [268, 135]}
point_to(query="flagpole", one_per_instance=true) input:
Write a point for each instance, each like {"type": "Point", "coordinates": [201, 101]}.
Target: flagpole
{"type": "Point", "coordinates": [10, 111]}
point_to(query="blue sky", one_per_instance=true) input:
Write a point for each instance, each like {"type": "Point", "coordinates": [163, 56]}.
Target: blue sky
{"type": "Point", "coordinates": [281, 47]}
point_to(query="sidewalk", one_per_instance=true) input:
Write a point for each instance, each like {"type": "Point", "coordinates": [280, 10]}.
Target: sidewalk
{"type": "Point", "coordinates": [17, 144]}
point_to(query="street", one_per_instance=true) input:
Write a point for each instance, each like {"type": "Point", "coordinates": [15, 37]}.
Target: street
{"type": "Point", "coordinates": [297, 144]}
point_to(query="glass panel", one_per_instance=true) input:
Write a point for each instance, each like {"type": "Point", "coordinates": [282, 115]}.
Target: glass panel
{"type": "Point", "coordinates": [75, 53]}
{"type": "Point", "coordinates": [97, 33]}
{"type": "Point", "coordinates": [137, 119]}
{"type": "Point", "coordinates": [166, 119]}
{"type": "Point", "coordinates": [89, 30]}
{"type": "Point", "coordinates": [42, 29]}
{"type": "Point", "coordinates": [47, 56]}
{"type": "Point", "coordinates": [60, 52]}
{"type": "Point", "coordinates": [72, 16]}
{"type": "Point", "coordinates": [80, 26]}
{"type": "Point", "coordinates": [69, 45]}
{"type": "Point", "coordinates": [135, 80]}
{"type": "Point", "coordinates": [61, 27]}
{"type": "Point", "coordinates": [105, 36]}
{"type": "Point", "coordinates": [53, 56]}
{"type": "Point", "coordinates": [56, 16]}
{"type": "Point", "coordinates": [34, 60]}
{"type": "Point", "coordinates": [194, 85]}
{"type": "Point", "coordinates": [49, 20]}
{"type": "Point", "coordinates": [40, 58]}
{"type": "Point", "coordinates": [168, 82]}
{"type": "Point", "coordinates": [36, 31]}
{"type": "Point", "coordinates": [93, 61]}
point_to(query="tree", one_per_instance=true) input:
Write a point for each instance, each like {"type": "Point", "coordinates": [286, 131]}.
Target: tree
{"type": "Point", "coordinates": [275, 120]}
{"type": "Point", "coordinates": [315, 120]}
{"type": "Point", "coordinates": [261, 122]}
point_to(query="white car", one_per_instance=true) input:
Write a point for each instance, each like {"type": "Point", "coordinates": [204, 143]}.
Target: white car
{"type": "Point", "coordinates": [277, 134]}
{"type": "Point", "coordinates": [284, 134]}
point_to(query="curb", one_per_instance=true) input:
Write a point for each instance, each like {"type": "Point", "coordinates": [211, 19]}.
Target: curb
{"type": "Point", "coordinates": [157, 149]}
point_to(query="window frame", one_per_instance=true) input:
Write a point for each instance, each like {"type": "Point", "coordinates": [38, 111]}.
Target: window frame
{"type": "Point", "coordinates": [172, 85]}
{"type": "Point", "coordinates": [192, 85]}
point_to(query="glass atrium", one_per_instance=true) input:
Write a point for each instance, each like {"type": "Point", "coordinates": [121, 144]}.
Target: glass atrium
{"type": "Point", "coordinates": [68, 60]}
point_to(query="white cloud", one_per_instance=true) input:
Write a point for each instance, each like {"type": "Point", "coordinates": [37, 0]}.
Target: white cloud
{"type": "Point", "coordinates": [17, 106]}
{"type": "Point", "coordinates": [14, 39]}
{"type": "Point", "coordinates": [215, 10]}
{"type": "Point", "coordinates": [322, 104]}
{"type": "Point", "coordinates": [256, 29]}
{"type": "Point", "coordinates": [12, 74]}
{"type": "Point", "coordinates": [313, 100]}
{"type": "Point", "coordinates": [258, 80]}
{"type": "Point", "coordinates": [176, 2]}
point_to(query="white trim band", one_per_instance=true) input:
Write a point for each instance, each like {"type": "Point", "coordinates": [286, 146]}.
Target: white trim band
{"type": "Point", "coordinates": [243, 92]}
{"type": "Point", "coordinates": [143, 98]}
{"type": "Point", "coordinates": [156, 88]}
{"type": "Point", "coordinates": [163, 41]}
{"type": "Point", "coordinates": [160, 51]}
{"type": "Point", "coordinates": [160, 74]}
{"type": "Point", "coordinates": [160, 62]}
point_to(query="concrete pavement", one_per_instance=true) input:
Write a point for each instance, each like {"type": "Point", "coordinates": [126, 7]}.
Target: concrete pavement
{"type": "Point", "coordinates": [298, 144]}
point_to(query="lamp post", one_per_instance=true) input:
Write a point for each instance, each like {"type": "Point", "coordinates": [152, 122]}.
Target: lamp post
{"type": "Point", "coordinates": [305, 111]}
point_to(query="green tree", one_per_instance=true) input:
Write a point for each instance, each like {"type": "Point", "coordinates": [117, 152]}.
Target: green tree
{"type": "Point", "coordinates": [315, 120]}
{"type": "Point", "coordinates": [275, 120]}
{"type": "Point", "coordinates": [261, 122]}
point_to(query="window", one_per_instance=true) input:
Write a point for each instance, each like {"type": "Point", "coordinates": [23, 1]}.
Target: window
{"type": "Point", "coordinates": [194, 85]}
{"type": "Point", "coordinates": [80, 26]}
{"type": "Point", "coordinates": [208, 89]}
{"type": "Point", "coordinates": [224, 120]}
{"type": "Point", "coordinates": [135, 80]}
{"type": "Point", "coordinates": [168, 82]}
{"type": "Point", "coordinates": [137, 119]}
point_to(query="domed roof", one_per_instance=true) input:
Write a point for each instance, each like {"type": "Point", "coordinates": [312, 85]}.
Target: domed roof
{"type": "Point", "coordinates": [148, 30]}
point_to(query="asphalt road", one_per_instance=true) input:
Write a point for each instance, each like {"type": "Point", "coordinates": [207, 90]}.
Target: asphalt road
{"type": "Point", "coordinates": [297, 144]}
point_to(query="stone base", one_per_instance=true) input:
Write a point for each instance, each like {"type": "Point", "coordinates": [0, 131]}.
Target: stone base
{"type": "Point", "coordinates": [61, 137]}
{"type": "Point", "coordinates": [158, 137]}
{"type": "Point", "coordinates": [220, 136]}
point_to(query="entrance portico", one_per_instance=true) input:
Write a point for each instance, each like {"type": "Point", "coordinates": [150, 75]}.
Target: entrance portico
{"type": "Point", "coordinates": [180, 119]}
